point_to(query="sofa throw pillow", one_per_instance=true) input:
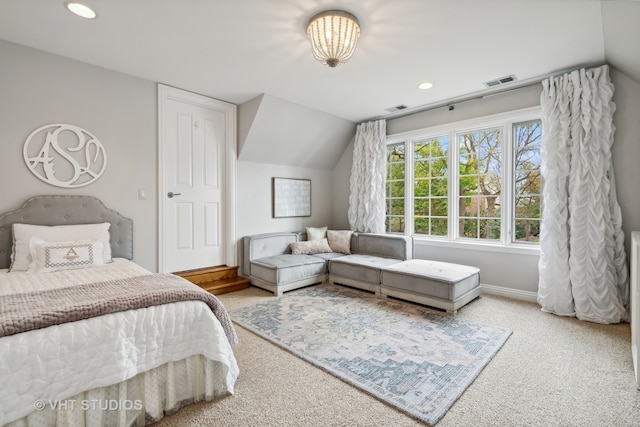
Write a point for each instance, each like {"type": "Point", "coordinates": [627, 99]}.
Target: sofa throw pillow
{"type": "Point", "coordinates": [310, 247]}
{"type": "Point", "coordinates": [316, 233]}
{"type": "Point", "coordinates": [340, 241]}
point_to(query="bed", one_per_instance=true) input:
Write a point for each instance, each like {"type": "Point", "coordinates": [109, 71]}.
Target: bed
{"type": "Point", "coordinates": [166, 343]}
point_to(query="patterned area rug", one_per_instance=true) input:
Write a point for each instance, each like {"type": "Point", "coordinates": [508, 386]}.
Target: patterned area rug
{"type": "Point", "coordinates": [414, 358]}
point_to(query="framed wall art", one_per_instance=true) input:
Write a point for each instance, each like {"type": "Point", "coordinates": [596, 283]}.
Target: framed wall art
{"type": "Point", "coordinates": [291, 197]}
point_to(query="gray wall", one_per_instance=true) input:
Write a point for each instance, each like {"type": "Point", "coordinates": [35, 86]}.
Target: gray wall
{"type": "Point", "coordinates": [626, 151]}
{"type": "Point", "coordinates": [38, 88]}
{"type": "Point", "coordinates": [621, 34]}
{"type": "Point", "coordinates": [254, 213]}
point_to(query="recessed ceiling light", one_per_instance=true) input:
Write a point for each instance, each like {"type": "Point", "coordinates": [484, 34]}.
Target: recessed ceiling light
{"type": "Point", "coordinates": [425, 85]}
{"type": "Point", "coordinates": [80, 9]}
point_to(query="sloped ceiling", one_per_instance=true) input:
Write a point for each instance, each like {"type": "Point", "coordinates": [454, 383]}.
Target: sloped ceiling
{"type": "Point", "coordinates": [238, 50]}
{"type": "Point", "coordinates": [295, 111]}
{"type": "Point", "coordinates": [276, 131]}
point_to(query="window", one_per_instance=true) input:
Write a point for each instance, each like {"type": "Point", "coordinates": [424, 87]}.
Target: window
{"type": "Point", "coordinates": [476, 180]}
{"type": "Point", "coordinates": [480, 183]}
{"type": "Point", "coordinates": [395, 188]}
{"type": "Point", "coordinates": [527, 181]}
{"type": "Point", "coordinates": [430, 186]}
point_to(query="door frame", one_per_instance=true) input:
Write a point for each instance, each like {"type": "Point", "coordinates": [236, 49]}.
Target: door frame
{"type": "Point", "coordinates": [166, 93]}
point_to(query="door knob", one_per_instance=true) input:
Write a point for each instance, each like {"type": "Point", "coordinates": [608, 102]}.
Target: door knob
{"type": "Point", "coordinates": [171, 194]}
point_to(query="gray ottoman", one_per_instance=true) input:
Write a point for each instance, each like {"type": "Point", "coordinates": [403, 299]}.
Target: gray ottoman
{"type": "Point", "coordinates": [437, 284]}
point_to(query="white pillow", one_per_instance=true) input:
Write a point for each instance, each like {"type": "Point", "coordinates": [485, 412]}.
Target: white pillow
{"type": "Point", "coordinates": [23, 233]}
{"type": "Point", "coordinates": [316, 233]}
{"type": "Point", "coordinates": [310, 247]}
{"type": "Point", "coordinates": [340, 240]}
{"type": "Point", "coordinates": [55, 256]}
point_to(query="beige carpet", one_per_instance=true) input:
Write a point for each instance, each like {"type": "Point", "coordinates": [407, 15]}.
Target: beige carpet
{"type": "Point", "coordinates": [553, 371]}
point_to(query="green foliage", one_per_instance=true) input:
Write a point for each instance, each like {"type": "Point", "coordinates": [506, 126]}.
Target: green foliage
{"type": "Point", "coordinates": [480, 195]}
{"type": "Point", "coordinates": [430, 190]}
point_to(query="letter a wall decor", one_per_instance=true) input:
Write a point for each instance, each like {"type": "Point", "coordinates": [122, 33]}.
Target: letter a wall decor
{"type": "Point", "coordinates": [64, 155]}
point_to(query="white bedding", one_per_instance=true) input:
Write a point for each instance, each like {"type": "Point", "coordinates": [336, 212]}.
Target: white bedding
{"type": "Point", "coordinates": [61, 361]}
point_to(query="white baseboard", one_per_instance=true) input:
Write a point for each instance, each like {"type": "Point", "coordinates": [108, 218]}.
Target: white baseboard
{"type": "Point", "coordinates": [509, 293]}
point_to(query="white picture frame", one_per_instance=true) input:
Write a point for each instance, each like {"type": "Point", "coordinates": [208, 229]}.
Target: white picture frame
{"type": "Point", "coordinates": [291, 197]}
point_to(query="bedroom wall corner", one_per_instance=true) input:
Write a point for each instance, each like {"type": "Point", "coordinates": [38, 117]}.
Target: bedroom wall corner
{"type": "Point", "coordinates": [625, 151]}
{"type": "Point", "coordinates": [341, 188]}
{"type": "Point", "coordinates": [40, 88]}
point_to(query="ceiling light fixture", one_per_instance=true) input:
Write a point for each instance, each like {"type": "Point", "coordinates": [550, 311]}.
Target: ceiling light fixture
{"type": "Point", "coordinates": [425, 85]}
{"type": "Point", "coordinates": [333, 35]}
{"type": "Point", "coordinates": [80, 9]}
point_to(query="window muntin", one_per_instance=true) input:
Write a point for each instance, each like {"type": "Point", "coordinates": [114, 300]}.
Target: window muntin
{"type": "Point", "coordinates": [527, 180]}
{"type": "Point", "coordinates": [430, 186]}
{"type": "Point", "coordinates": [480, 184]}
{"type": "Point", "coordinates": [395, 183]}
{"type": "Point", "coordinates": [490, 189]}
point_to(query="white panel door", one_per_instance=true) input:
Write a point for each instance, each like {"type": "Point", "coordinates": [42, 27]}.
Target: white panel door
{"type": "Point", "coordinates": [193, 144]}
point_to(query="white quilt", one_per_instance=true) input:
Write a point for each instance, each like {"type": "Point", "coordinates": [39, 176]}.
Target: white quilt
{"type": "Point", "coordinates": [60, 361]}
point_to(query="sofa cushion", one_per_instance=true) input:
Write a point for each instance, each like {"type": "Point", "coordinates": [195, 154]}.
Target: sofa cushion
{"type": "Point", "coordinates": [385, 245]}
{"type": "Point", "coordinates": [286, 268]}
{"type": "Point", "coordinates": [329, 255]}
{"type": "Point", "coordinates": [432, 278]}
{"type": "Point", "coordinates": [264, 245]}
{"type": "Point", "coordinates": [363, 268]}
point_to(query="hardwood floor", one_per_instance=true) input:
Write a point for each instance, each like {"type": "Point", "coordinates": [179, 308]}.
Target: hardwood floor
{"type": "Point", "coordinates": [216, 280]}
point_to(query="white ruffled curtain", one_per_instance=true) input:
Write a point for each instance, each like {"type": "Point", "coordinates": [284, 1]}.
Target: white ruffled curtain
{"type": "Point", "coordinates": [583, 270]}
{"type": "Point", "coordinates": [367, 184]}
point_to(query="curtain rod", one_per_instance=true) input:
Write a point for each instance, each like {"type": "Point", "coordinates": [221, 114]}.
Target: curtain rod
{"type": "Point", "coordinates": [485, 93]}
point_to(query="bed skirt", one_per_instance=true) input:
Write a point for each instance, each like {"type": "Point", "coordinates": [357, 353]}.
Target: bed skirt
{"type": "Point", "coordinates": [141, 400]}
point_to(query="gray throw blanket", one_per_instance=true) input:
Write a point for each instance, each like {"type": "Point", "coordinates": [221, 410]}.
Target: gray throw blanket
{"type": "Point", "coordinates": [35, 310]}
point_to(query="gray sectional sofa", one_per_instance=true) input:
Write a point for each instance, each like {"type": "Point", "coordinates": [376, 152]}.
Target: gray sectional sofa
{"type": "Point", "coordinates": [379, 263]}
{"type": "Point", "coordinates": [267, 260]}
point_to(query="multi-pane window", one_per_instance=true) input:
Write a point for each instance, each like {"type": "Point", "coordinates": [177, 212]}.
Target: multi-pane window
{"type": "Point", "coordinates": [527, 181]}
{"type": "Point", "coordinates": [430, 186]}
{"type": "Point", "coordinates": [395, 188]}
{"type": "Point", "coordinates": [468, 181]}
{"type": "Point", "coordinates": [480, 183]}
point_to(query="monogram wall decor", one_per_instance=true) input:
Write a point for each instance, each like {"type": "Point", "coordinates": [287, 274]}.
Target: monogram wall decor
{"type": "Point", "coordinates": [64, 155]}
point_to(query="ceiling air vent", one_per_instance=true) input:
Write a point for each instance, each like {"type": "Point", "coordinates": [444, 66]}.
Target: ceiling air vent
{"type": "Point", "coordinates": [396, 108]}
{"type": "Point", "coordinates": [501, 81]}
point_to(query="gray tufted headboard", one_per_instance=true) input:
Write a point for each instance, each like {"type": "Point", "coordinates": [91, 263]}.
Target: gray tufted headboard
{"type": "Point", "coordinates": [67, 210]}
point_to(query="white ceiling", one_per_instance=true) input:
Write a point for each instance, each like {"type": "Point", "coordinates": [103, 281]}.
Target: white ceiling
{"type": "Point", "coordinates": [237, 50]}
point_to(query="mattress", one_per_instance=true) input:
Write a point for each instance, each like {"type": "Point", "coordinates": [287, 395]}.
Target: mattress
{"type": "Point", "coordinates": [58, 362]}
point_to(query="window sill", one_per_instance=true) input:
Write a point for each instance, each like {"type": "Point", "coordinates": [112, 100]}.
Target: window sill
{"type": "Point", "coordinates": [479, 246]}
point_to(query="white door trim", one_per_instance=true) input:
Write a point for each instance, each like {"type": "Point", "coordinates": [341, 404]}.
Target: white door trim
{"type": "Point", "coordinates": [165, 93]}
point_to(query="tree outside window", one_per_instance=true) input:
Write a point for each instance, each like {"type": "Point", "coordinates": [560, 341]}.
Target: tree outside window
{"type": "Point", "coordinates": [468, 199]}
{"type": "Point", "coordinates": [394, 220]}
{"type": "Point", "coordinates": [527, 181]}
{"type": "Point", "coordinates": [431, 186]}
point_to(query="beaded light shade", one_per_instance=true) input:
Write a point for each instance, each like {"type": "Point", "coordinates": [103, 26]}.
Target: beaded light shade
{"type": "Point", "coordinates": [333, 35]}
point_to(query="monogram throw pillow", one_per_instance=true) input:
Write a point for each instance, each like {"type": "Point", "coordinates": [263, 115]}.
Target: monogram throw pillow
{"type": "Point", "coordinates": [56, 256]}
{"type": "Point", "coordinates": [23, 233]}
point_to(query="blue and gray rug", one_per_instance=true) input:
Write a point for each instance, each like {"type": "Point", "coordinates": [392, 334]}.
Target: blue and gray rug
{"type": "Point", "coordinates": [414, 358]}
